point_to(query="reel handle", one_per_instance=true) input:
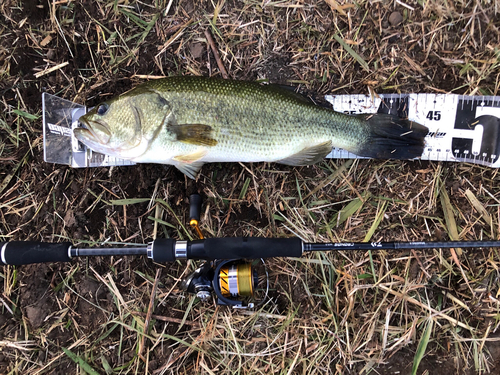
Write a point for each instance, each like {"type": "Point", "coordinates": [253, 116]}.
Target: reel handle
{"type": "Point", "coordinates": [27, 252]}
{"type": "Point", "coordinates": [195, 212]}
{"type": "Point", "coordinates": [195, 202]}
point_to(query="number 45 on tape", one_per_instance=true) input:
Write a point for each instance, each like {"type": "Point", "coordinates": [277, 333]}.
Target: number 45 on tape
{"type": "Point", "coordinates": [461, 128]}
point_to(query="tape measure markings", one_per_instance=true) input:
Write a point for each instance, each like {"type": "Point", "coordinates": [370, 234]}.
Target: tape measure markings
{"type": "Point", "coordinates": [461, 128]}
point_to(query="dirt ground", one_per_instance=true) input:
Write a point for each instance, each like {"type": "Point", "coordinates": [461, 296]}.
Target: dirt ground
{"type": "Point", "coordinates": [338, 313]}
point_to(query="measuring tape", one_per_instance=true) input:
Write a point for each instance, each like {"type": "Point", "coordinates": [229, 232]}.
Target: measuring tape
{"type": "Point", "coordinates": [461, 128]}
{"type": "Point", "coordinates": [60, 146]}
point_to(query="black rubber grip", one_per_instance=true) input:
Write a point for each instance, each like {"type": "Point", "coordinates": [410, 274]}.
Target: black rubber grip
{"type": "Point", "coordinates": [27, 252]}
{"type": "Point", "coordinates": [244, 248]}
{"type": "Point", "coordinates": [163, 250]}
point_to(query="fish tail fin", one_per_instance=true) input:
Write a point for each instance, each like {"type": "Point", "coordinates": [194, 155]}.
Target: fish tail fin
{"type": "Point", "coordinates": [390, 137]}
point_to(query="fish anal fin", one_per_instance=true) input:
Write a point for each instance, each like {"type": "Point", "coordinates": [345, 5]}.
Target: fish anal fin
{"type": "Point", "coordinates": [309, 155]}
{"type": "Point", "coordinates": [194, 134]}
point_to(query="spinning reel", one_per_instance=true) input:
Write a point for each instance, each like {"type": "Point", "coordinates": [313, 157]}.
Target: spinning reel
{"type": "Point", "coordinates": [235, 282]}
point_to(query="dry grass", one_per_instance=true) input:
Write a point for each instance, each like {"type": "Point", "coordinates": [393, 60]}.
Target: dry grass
{"type": "Point", "coordinates": [336, 312]}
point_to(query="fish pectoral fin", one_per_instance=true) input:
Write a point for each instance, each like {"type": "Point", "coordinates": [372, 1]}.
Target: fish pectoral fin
{"type": "Point", "coordinates": [308, 155]}
{"type": "Point", "coordinates": [195, 134]}
{"type": "Point", "coordinates": [191, 157]}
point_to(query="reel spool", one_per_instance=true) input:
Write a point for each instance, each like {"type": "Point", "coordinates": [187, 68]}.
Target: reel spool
{"type": "Point", "coordinates": [237, 280]}
{"type": "Point", "coordinates": [234, 282]}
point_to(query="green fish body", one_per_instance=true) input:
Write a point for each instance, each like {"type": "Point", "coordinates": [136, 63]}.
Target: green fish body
{"type": "Point", "coordinates": [189, 121]}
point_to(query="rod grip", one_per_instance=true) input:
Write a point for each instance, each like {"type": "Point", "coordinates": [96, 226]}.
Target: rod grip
{"type": "Point", "coordinates": [27, 252]}
{"type": "Point", "coordinates": [244, 248]}
{"type": "Point", "coordinates": [163, 250]}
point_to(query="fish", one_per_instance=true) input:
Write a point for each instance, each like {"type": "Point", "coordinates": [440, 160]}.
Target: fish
{"type": "Point", "coordinates": [187, 121]}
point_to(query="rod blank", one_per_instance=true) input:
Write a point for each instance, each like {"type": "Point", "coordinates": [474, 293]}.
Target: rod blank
{"type": "Point", "coordinates": [109, 251]}
{"type": "Point", "coordinates": [417, 245]}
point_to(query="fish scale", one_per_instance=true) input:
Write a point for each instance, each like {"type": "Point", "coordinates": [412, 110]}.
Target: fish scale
{"type": "Point", "coordinates": [189, 121]}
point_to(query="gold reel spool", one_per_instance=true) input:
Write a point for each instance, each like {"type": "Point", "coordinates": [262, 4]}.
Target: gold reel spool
{"type": "Point", "coordinates": [236, 280]}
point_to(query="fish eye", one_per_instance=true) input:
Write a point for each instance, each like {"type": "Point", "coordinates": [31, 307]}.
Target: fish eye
{"type": "Point", "coordinates": [102, 109]}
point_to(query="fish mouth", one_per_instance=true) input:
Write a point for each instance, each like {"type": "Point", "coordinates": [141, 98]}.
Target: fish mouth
{"type": "Point", "coordinates": [96, 132]}
{"type": "Point", "coordinates": [97, 136]}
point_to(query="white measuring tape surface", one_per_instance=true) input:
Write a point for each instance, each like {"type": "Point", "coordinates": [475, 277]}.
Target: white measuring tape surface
{"type": "Point", "coordinates": [461, 128]}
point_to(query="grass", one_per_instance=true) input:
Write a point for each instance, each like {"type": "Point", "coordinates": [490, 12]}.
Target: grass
{"type": "Point", "coordinates": [336, 312]}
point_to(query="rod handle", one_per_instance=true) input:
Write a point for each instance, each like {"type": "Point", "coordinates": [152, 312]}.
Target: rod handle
{"type": "Point", "coordinates": [244, 248]}
{"type": "Point", "coordinates": [27, 252]}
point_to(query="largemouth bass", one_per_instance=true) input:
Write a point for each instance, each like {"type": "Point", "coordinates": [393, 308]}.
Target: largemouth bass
{"type": "Point", "coordinates": [189, 121]}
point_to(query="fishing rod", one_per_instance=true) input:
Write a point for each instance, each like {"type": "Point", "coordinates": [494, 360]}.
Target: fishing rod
{"type": "Point", "coordinates": [227, 271]}
{"type": "Point", "coordinates": [233, 268]}
{"type": "Point", "coordinates": [236, 248]}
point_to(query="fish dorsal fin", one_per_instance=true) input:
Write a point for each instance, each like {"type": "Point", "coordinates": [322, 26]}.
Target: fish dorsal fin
{"type": "Point", "coordinates": [191, 170]}
{"type": "Point", "coordinates": [194, 134]}
{"type": "Point", "coordinates": [309, 155]}
{"type": "Point", "coordinates": [289, 91]}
